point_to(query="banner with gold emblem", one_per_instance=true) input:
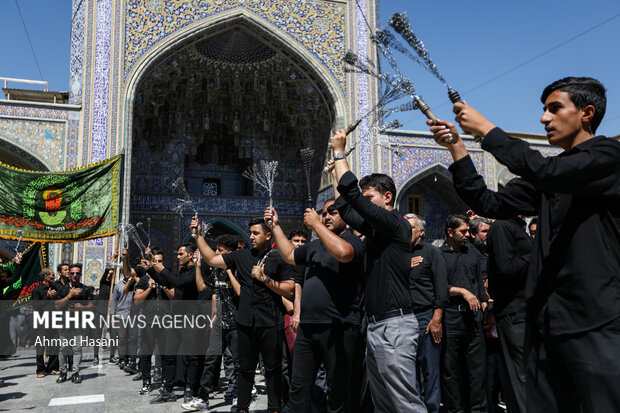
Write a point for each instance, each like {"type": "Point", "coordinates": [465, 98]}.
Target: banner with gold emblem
{"type": "Point", "coordinates": [63, 206]}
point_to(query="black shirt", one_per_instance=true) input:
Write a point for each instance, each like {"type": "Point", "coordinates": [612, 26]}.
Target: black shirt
{"type": "Point", "coordinates": [183, 282]}
{"type": "Point", "coordinates": [40, 299]}
{"type": "Point", "coordinates": [87, 293]}
{"type": "Point", "coordinates": [465, 269]}
{"type": "Point", "coordinates": [428, 281]}
{"type": "Point", "coordinates": [331, 289]}
{"type": "Point", "coordinates": [157, 302]}
{"type": "Point", "coordinates": [388, 238]}
{"type": "Point", "coordinates": [509, 248]}
{"type": "Point", "coordinates": [258, 305]}
{"type": "Point", "coordinates": [219, 284]}
{"type": "Point", "coordinates": [574, 272]}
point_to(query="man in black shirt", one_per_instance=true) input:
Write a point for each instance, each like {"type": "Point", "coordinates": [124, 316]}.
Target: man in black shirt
{"type": "Point", "coordinates": [185, 302]}
{"type": "Point", "coordinates": [154, 300]}
{"type": "Point", "coordinates": [574, 311]}
{"type": "Point", "coordinates": [464, 344]}
{"type": "Point", "coordinates": [392, 332]}
{"type": "Point", "coordinates": [509, 248]}
{"type": "Point", "coordinates": [43, 300]}
{"type": "Point", "coordinates": [220, 285]}
{"type": "Point", "coordinates": [82, 297]}
{"type": "Point", "coordinates": [330, 301]}
{"type": "Point", "coordinates": [429, 295]}
{"type": "Point", "coordinates": [264, 277]}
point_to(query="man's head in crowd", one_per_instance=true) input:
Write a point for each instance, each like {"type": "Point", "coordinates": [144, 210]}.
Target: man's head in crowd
{"type": "Point", "coordinates": [379, 189]}
{"type": "Point", "coordinates": [241, 244]}
{"type": "Point", "coordinates": [478, 229]}
{"type": "Point", "coordinates": [456, 231]}
{"type": "Point", "coordinates": [418, 226]}
{"type": "Point", "coordinates": [75, 273]}
{"type": "Point", "coordinates": [225, 244]}
{"type": "Point", "coordinates": [260, 235]}
{"type": "Point", "coordinates": [533, 226]}
{"type": "Point", "coordinates": [158, 255]}
{"type": "Point", "coordinates": [573, 109]}
{"type": "Point", "coordinates": [185, 254]}
{"type": "Point", "coordinates": [298, 237]}
{"type": "Point", "coordinates": [47, 276]}
{"type": "Point", "coordinates": [63, 271]}
{"type": "Point", "coordinates": [332, 219]}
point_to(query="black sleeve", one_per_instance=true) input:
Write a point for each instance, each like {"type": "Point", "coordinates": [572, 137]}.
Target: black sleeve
{"type": "Point", "coordinates": [359, 247]}
{"type": "Point", "coordinates": [380, 219]}
{"type": "Point", "coordinates": [162, 278]}
{"type": "Point", "coordinates": [518, 197]}
{"type": "Point", "coordinates": [231, 260]}
{"type": "Point", "coordinates": [283, 271]}
{"type": "Point", "coordinates": [352, 218]}
{"type": "Point", "coordinates": [591, 169]}
{"type": "Point", "coordinates": [300, 254]}
{"type": "Point", "coordinates": [440, 278]}
{"type": "Point", "coordinates": [143, 284]}
{"type": "Point", "coordinates": [503, 254]}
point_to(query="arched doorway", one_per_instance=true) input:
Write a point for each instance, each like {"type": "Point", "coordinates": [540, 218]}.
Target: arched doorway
{"type": "Point", "coordinates": [431, 195]}
{"type": "Point", "coordinates": [209, 108]}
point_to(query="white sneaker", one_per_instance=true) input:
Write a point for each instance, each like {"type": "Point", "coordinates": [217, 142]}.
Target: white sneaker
{"type": "Point", "coordinates": [195, 405]}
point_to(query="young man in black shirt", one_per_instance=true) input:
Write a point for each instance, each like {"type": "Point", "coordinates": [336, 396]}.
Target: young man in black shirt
{"type": "Point", "coordinates": [509, 248]}
{"type": "Point", "coordinates": [220, 285]}
{"type": "Point", "coordinates": [429, 294]}
{"type": "Point", "coordinates": [329, 318]}
{"type": "Point", "coordinates": [392, 332]}
{"type": "Point", "coordinates": [43, 300]}
{"type": "Point", "coordinates": [464, 344]}
{"type": "Point", "coordinates": [73, 296]}
{"type": "Point", "coordinates": [264, 277]}
{"type": "Point", "coordinates": [185, 302]}
{"type": "Point", "coordinates": [573, 310]}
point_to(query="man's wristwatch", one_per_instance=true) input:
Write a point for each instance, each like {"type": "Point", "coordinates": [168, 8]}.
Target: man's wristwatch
{"type": "Point", "coordinates": [267, 278]}
{"type": "Point", "coordinates": [339, 155]}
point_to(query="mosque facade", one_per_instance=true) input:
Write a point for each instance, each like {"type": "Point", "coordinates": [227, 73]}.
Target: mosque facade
{"type": "Point", "coordinates": [202, 89]}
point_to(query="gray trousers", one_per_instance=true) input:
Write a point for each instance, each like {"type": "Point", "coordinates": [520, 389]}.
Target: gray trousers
{"type": "Point", "coordinates": [391, 365]}
{"type": "Point", "coordinates": [68, 349]}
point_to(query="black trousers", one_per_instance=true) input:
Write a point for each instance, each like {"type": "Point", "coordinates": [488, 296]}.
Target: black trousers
{"type": "Point", "coordinates": [150, 336]}
{"type": "Point", "coordinates": [213, 363]}
{"type": "Point", "coordinates": [511, 332]}
{"type": "Point", "coordinates": [573, 373]}
{"type": "Point", "coordinates": [464, 369]}
{"type": "Point", "coordinates": [52, 352]}
{"type": "Point", "coordinates": [335, 345]}
{"type": "Point", "coordinates": [267, 341]}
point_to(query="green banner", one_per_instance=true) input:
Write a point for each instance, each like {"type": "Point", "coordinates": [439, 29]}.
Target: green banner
{"type": "Point", "coordinates": [34, 259]}
{"type": "Point", "coordinates": [63, 206]}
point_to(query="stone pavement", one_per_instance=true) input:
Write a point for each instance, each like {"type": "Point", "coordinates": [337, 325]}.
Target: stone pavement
{"type": "Point", "coordinates": [105, 388]}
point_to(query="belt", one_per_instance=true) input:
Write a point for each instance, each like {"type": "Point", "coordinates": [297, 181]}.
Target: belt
{"type": "Point", "coordinates": [389, 314]}
{"type": "Point", "coordinates": [459, 307]}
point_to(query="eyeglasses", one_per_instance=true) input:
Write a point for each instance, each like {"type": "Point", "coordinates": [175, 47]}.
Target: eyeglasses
{"type": "Point", "coordinates": [158, 260]}
{"type": "Point", "coordinates": [75, 273]}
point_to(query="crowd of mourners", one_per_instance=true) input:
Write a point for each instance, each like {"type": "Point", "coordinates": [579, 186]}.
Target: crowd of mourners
{"type": "Point", "coordinates": [357, 313]}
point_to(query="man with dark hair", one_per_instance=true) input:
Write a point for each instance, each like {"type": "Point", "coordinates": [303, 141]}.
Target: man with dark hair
{"type": "Point", "coordinates": [392, 332]}
{"type": "Point", "coordinates": [220, 285]}
{"type": "Point", "coordinates": [153, 300]}
{"type": "Point", "coordinates": [478, 229]}
{"type": "Point", "coordinates": [329, 327]}
{"type": "Point", "coordinates": [464, 344]}
{"type": "Point", "coordinates": [264, 277]}
{"type": "Point", "coordinates": [509, 248]}
{"type": "Point", "coordinates": [42, 299]}
{"type": "Point", "coordinates": [573, 311]}
{"type": "Point", "coordinates": [298, 237]}
{"type": "Point", "coordinates": [184, 302]}
{"type": "Point", "coordinates": [73, 296]}
{"type": "Point", "coordinates": [63, 274]}
{"type": "Point", "coordinates": [428, 284]}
